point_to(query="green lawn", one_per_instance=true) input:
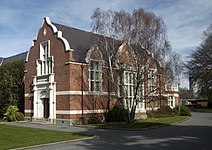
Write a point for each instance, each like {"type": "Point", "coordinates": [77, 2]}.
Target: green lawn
{"type": "Point", "coordinates": [141, 124]}
{"type": "Point", "coordinates": [15, 136]}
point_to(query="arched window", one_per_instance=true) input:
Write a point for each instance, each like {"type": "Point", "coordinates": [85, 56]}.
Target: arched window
{"type": "Point", "coordinates": [152, 81]}
{"type": "Point", "coordinates": [95, 75]}
{"type": "Point", "coordinates": [94, 59]}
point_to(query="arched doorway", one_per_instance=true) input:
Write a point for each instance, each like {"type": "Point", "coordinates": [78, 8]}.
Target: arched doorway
{"type": "Point", "coordinates": [46, 108]}
{"type": "Point", "coordinates": [44, 96]}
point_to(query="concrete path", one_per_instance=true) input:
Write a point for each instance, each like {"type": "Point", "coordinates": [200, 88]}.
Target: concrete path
{"type": "Point", "coordinates": [194, 134]}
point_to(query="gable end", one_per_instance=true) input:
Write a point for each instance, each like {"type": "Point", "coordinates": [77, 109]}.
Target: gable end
{"type": "Point", "coordinates": [56, 31]}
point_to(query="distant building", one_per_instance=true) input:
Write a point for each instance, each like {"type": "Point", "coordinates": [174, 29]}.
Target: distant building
{"type": "Point", "coordinates": [21, 56]}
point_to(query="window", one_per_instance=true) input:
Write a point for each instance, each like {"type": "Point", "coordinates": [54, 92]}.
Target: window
{"type": "Point", "coordinates": [152, 81]}
{"type": "Point", "coordinates": [126, 89]}
{"type": "Point", "coordinates": [129, 78]}
{"type": "Point", "coordinates": [95, 73]}
{"type": "Point", "coordinates": [45, 51]}
{"type": "Point", "coordinates": [120, 90]}
{"type": "Point", "coordinates": [141, 94]}
{"type": "Point", "coordinates": [168, 87]}
{"type": "Point", "coordinates": [171, 101]}
{"type": "Point", "coordinates": [45, 62]}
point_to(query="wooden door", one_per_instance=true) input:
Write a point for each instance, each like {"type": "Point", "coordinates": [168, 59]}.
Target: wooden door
{"type": "Point", "coordinates": [46, 108]}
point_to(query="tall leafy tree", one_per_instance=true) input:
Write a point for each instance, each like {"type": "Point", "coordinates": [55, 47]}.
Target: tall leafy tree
{"type": "Point", "coordinates": [200, 65]}
{"type": "Point", "coordinates": [11, 84]}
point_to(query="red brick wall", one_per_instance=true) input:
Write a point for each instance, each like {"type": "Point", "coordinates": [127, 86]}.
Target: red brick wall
{"type": "Point", "coordinates": [176, 101]}
{"type": "Point", "coordinates": [62, 71]}
{"type": "Point", "coordinates": [63, 102]}
{"type": "Point", "coordinates": [204, 104]}
{"type": "Point", "coordinates": [68, 77]}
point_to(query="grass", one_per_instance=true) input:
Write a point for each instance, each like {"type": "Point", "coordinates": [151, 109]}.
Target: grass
{"type": "Point", "coordinates": [15, 136]}
{"type": "Point", "coordinates": [141, 124]}
{"type": "Point", "coordinates": [206, 110]}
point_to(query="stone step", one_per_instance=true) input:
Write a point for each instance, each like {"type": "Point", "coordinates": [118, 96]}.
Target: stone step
{"type": "Point", "coordinates": [41, 121]}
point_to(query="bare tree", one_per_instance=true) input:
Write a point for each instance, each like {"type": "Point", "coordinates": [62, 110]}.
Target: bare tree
{"type": "Point", "coordinates": [185, 93]}
{"type": "Point", "coordinates": [173, 67]}
{"type": "Point", "coordinates": [145, 38]}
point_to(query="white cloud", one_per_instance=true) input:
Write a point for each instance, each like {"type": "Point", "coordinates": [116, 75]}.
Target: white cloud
{"type": "Point", "coordinates": [186, 20]}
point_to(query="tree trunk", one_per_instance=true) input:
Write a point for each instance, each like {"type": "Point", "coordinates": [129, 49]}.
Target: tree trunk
{"type": "Point", "coordinates": [132, 114]}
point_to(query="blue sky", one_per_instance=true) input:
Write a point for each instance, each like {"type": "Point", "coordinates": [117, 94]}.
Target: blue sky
{"type": "Point", "coordinates": [20, 20]}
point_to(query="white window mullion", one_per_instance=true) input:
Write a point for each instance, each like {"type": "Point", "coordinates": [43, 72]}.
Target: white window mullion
{"type": "Point", "coordinates": [46, 63]}
{"type": "Point", "coordinates": [129, 84]}
{"type": "Point", "coordinates": [95, 76]}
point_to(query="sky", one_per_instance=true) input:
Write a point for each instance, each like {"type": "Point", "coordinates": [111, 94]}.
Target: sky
{"type": "Point", "coordinates": [20, 20]}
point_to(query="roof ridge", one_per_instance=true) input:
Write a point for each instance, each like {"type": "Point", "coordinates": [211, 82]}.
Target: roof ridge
{"type": "Point", "coordinates": [20, 56]}
{"type": "Point", "coordinates": [81, 30]}
{"type": "Point", "coordinates": [15, 55]}
{"type": "Point", "coordinates": [80, 41]}
{"type": "Point", "coordinates": [73, 28]}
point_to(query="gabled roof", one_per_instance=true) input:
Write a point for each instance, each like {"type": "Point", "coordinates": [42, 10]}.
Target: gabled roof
{"type": "Point", "coordinates": [82, 41]}
{"type": "Point", "coordinates": [21, 56]}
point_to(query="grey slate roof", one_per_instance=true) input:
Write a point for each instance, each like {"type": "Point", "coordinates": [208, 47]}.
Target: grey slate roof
{"type": "Point", "coordinates": [81, 41]}
{"type": "Point", "coordinates": [21, 56]}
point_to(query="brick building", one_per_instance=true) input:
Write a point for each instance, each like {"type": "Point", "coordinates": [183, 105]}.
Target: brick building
{"type": "Point", "coordinates": [66, 77]}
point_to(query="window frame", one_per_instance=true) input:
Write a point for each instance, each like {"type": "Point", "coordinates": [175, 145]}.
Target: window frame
{"type": "Point", "coordinates": [95, 75]}
{"type": "Point", "coordinates": [171, 101]}
{"type": "Point", "coordinates": [129, 86]}
{"type": "Point", "coordinates": [45, 62]}
{"type": "Point", "coordinates": [152, 81]}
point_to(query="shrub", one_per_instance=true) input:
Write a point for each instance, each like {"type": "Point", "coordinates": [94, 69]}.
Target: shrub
{"type": "Point", "coordinates": [164, 111]}
{"type": "Point", "coordinates": [94, 119]}
{"type": "Point", "coordinates": [198, 106]}
{"type": "Point", "coordinates": [150, 113]}
{"type": "Point", "coordinates": [12, 114]}
{"type": "Point", "coordinates": [20, 116]}
{"type": "Point", "coordinates": [175, 111]}
{"type": "Point", "coordinates": [209, 104]}
{"type": "Point", "coordinates": [3, 109]}
{"type": "Point", "coordinates": [1, 113]}
{"type": "Point", "coordinates": [184, 111]}
{"type": "Point", "coordinates": [117, 114]}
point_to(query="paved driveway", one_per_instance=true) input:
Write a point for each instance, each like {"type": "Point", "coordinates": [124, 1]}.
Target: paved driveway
{"type": "Point", "coordinates": [194, 134]}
